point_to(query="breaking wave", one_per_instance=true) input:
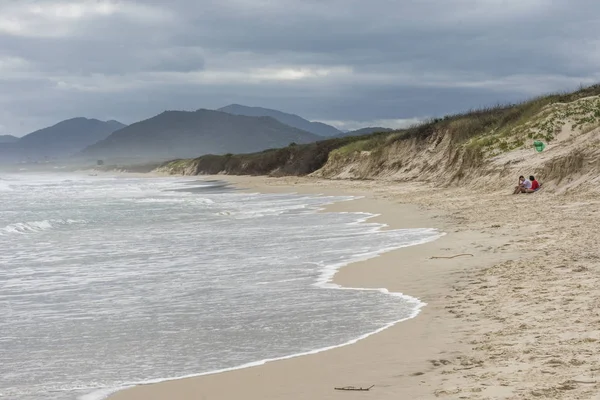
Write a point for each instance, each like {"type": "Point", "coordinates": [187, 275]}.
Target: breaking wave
{"type": "Point", "coordinates": [38, 226]}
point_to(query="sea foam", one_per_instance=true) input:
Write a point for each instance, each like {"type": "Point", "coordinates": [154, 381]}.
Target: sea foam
{"type": "Point", "coordinates": [37, 226]}
{"type": "Point", "coordinates": [123, 281]}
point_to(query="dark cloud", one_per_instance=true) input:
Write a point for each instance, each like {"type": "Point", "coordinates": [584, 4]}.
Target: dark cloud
{"type": "Point", "coordinates": [348, 61]}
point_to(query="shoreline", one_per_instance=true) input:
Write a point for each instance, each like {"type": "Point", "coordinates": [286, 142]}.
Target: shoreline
{"type": "Point", "coordinates": [217, 384]}
{"type": "Point", "coordinates": [325, 281]}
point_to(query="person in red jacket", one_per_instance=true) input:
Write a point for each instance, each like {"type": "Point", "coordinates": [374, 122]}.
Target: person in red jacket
{"type": "Point", "coordinates": [535, 185]}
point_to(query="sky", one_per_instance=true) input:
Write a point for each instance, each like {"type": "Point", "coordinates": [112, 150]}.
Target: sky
{"type": "Point", "coordinates": [351, 63]}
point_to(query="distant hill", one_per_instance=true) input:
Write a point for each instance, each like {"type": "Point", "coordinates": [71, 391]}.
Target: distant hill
{"type": "Point", "coordinates": [8, 139]}
{"type": "Point", "coordinates": [61, 140]}
{"type": "Point", "coordinates": [175, 134]}
{"type": "Point", "coordinates": [365, 131]}
{"type": "Point", "coordinates": [318, 128]}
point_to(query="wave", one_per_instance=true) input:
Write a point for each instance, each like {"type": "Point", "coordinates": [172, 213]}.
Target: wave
{"type": "Point", "coordinates": [38, 226]}
{"type": "Point", "coordinates": [261, 212]}
{"type": "Point", "coordinates": [283, 281]}
{"type": "Point", "coordinates": [5, 186]}
{"type": "Point", "coordinates": [325, 281]}
{"type": "Point", "coordinates": [167, 200]}
{"type": "Point", "coordinates": [203, 187]}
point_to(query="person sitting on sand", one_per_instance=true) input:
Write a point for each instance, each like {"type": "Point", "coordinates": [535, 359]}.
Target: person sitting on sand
{"type": "Point", "coordinates": [534, 186]}
{"type": "Point", "coordinates": [524, 184]}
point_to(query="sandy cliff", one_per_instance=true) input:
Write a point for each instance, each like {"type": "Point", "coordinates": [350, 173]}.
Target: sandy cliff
{"type": "Point", "coordinates": [490, 159]}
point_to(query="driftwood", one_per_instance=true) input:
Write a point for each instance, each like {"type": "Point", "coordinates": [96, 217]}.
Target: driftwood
{"type": "Point", "coordinates": [458, 255]}
{"type": "Point", "coordinates": [355, 388]}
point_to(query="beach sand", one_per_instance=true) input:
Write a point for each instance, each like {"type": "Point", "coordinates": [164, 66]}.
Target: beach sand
{"type": "Point", "coordinates": [518, 318]}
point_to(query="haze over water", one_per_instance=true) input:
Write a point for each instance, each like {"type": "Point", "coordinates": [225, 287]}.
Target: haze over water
{"type": "Point", "coordinates": [109, 281]}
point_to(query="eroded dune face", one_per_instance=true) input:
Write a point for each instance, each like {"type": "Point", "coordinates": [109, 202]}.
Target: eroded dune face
{"type": "Point", "coordinates": [492, 157]}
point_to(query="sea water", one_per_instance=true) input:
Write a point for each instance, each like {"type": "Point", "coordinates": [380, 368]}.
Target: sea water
{"type": "Point", "coordinates": [106, 282]}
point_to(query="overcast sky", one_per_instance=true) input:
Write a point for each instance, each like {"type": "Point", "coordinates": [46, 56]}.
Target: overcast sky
{"type": "Point", "coordinates": [351, 63]}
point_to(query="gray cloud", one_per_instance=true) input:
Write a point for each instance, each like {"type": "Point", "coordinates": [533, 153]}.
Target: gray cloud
{"type": "Point", "coordinates": [349, 61]}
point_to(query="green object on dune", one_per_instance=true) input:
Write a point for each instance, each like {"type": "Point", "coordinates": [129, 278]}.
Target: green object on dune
{"type": "Point", "coordinates": [539, 146]}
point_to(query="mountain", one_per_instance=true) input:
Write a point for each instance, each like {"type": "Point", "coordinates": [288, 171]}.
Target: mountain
{"type": "Point", "coordinates": [365, 131]}
{"type": "Point", "coordinates": [70, 135]}
{"type": "Point", "coordinates": [8, 139]}
{"type": "Point", "coordinates": [175, 134]}
{"type": "Point", "coordinates": [61, 140]}
{"type": "Point", "coordinates": [318, 128]}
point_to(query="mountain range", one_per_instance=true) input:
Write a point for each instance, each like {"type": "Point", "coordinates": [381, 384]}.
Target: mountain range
{"type": "Point", "coordinates": [180, 134]}
{"type": "Point", "coordinates": [317, 128]}
{"type": "Point", "coordinates": [171, 134]}
{"type": "Point", "coordinates": [58, 141]}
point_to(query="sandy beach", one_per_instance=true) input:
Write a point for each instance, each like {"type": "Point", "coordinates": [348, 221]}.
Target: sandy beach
{"type": "Point", "coordinates": [517, 317]}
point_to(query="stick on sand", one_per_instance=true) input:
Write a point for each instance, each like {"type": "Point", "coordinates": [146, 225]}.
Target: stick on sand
{"type": "Point", "coordinates": [354, 388]}
{"type": "Point", "coordinates": [458, 255]}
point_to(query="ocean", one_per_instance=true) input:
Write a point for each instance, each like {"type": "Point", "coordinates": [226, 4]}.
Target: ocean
{"type": "Point", "coordinates": [111, 281]}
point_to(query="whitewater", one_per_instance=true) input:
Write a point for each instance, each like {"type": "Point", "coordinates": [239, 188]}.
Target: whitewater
{"type": "Point", "coordinates": [112, 281]}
